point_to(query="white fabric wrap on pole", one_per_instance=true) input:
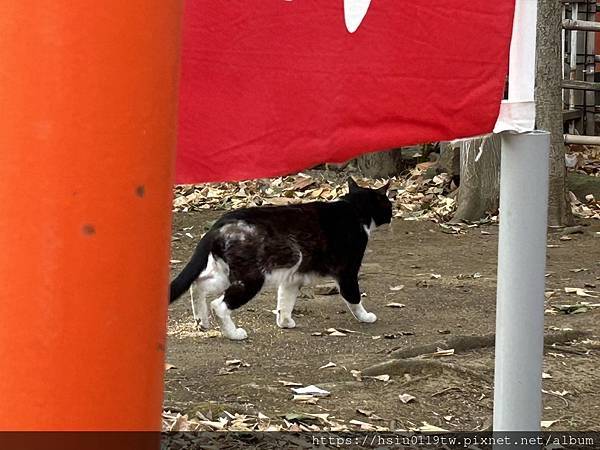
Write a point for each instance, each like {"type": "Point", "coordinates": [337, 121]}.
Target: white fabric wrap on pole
{"type": "Point", "coordinates": [518, 112]}
{"type": "Point", "coordinates": [521, 279]}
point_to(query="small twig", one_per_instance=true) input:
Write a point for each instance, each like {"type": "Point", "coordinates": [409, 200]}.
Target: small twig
{"type": "Point", "coordinates": [556, 395]}
{"type": "Point", "coordinates": [444, 391]}
{"type": "Point", "coordinates": [563, 349]}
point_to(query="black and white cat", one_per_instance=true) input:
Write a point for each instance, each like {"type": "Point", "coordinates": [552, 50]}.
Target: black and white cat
{"type": "Point", "coordinates": [286, 247]}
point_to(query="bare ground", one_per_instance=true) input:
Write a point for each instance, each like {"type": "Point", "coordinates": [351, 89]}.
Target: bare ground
{"type": "Point", "coordinates": [407, 255]}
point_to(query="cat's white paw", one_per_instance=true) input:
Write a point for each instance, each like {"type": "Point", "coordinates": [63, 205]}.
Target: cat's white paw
{"type": "Point", "coordinates": [368, 317]}
{"type": "Point", "coordinates": [287, 322]}
{"type": "Point", "coordinates": [361, 314]}
{"type": "Point", "coordinates": [238, 334]}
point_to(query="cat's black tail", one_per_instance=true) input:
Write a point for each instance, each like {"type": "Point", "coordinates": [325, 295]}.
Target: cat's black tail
{"type": "Point", "coordinates": [192, 269]}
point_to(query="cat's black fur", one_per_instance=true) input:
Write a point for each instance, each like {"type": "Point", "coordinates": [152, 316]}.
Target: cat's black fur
{"type": "Point", "coordinates": [318, 239]}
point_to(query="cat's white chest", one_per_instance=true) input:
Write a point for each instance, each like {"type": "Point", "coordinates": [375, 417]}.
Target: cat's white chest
{"type": "Point", "coordinates": [369, 229]}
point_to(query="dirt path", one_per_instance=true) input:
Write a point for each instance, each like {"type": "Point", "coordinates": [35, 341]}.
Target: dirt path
{"type": "Point", "coordinates": [434, 306]}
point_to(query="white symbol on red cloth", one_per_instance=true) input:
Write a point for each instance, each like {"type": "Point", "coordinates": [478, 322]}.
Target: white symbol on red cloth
{"type": "Point", "coordinates": [354, 13]}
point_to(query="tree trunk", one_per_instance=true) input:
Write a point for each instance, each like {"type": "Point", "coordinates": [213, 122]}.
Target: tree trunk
{"type": "Point", "coordinates": [450, 160]}
{"type": "Point", "coordinates": [479, 190]}
{"type": "Point", "coordinates": [548, 95]}
{"type": "Point", "coordinates": [381, 164]}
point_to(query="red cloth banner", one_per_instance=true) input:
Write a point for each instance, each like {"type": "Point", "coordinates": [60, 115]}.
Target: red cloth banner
{"type": "Point", "coordinates": [269, 87]}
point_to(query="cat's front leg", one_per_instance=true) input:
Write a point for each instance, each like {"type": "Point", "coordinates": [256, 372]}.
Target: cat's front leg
{"type": "Point", "coordinates": [286, 299]}
{"type": "Point", "coordinates": [351, 293]}
{"type": "Point", "coordinates": [223, 313]}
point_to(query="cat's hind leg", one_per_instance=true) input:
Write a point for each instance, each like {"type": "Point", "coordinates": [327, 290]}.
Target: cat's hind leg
{"type": "Point", "coordinates": [351, 293]}
{"type": "Point", "coordinates": [237, 294]}
{"type": "Point", "coordinates": [212, 282]}
{"type": "Point", "coordinates": [286, 299]}
{"type": "Point", "coordinates": [199, 306]}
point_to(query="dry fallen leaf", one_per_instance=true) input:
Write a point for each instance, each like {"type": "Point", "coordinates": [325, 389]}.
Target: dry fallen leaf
{"type": "Point", "coordinates": [305, 398]}
{"type": "Point", "coordinates": [311, 390]}
{"type": "Point", "coordinates": [169, 366]}
{"type": "Point", "coordinates": [406, 398]}
{"type": "Point", "coordinates": [560, 393]}
{"type": "Point", "coordinates": [379, 377]}
{"type": "Point", "coordinates": [181, 423]}
{"type": "Point", "coordinates": [236, 363]}
{"type": "Point", "coordinates": [356, 374]}
{"type": "Point", "coordinates": [570, 309]}
{"type": "Point", "coordinates": [303, 183]}
{"type": "Point", "coordinates": [426, 427]}
{"type": "Point", "coordinates": [334, 332]}
{"type": "Point", "coordinates": [328, 365]}
{"type": "Point", "coordinates": [301, 417]}
{"type": "Point", "coordinates": [395, 305]}
{"type": "Point", "coordinates": [397, 288]}
{"type": "Point", "coordinates": [215, 425]}
{"type": "Point", "coordinates": [363, 425]}
{"type": "Point", "coordinates": [345, 330]}
{"type": "Point", "coordinates": [289, 383]}
{"type": "Point", "coordinates": [579, 291]}
{"type": "Point", "coordinates": [547, 423]}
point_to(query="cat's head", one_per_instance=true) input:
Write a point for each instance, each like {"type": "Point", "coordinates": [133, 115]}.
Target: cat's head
{"type": "Point", "coordinates": [372, 202]}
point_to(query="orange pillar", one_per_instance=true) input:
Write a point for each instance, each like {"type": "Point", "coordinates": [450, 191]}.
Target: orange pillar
{"type": "Point", "coordinates": [87, 135]}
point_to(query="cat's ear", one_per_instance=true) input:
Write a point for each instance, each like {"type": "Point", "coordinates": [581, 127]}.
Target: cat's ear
{"type": "Point", "coordinates": [352, 186]}
{"type": "Point", "coordinates": [383, 189]}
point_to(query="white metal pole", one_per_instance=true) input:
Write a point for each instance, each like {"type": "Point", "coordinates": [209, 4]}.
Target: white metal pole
{"type": "Point", "coordinates": [573, 62]}
{"type": "Point", "coordinates": [521, 278]}
{"type": "Point", "coordinates": [582, 140]}
{"type": "Point", "coordinates": [562, 49]}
